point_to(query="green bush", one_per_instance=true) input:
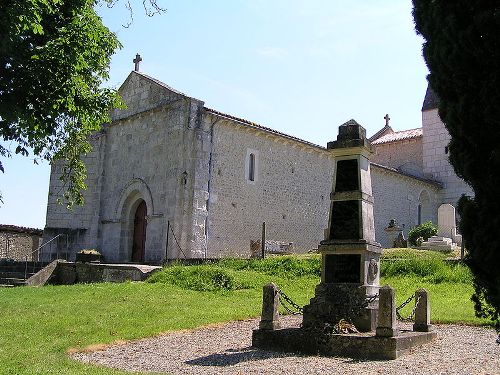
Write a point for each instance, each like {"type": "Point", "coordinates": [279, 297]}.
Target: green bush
{"type": "Point", "coordinates": [201, 278]}
{"type": "Point", "coordinates": [424, 230]}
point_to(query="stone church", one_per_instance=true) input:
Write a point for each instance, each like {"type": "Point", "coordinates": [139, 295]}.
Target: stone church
{"type": "Point", "coordinates": [170, 178]}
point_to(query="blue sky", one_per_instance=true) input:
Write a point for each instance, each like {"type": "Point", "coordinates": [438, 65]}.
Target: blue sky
{"type": "Point", "coordinates": [300, 67]}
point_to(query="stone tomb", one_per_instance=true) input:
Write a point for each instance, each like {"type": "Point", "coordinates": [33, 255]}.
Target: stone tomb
{"type": "Point", "coordinates": [447, 238]}
{"type": "Point", "coordinates": [350, 273]}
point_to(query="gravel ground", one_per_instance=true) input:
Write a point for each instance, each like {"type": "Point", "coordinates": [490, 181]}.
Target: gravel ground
{"type": "Point", "coordinates": [226, 349]}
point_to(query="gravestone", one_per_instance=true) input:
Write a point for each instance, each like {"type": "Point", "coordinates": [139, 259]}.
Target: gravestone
{"type": "Point", "coordinates": [447, 225]}
{"type": "Point", "coordinates": [350, 267]}
{"type": "Point", "coordinates": [446, 220]}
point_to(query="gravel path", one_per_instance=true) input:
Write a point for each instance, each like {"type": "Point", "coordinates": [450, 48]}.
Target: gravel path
{"type": "Point", "coordinates": [226, 349]}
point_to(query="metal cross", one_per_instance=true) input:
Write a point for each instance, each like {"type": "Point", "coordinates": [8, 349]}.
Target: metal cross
{"type": "Point", "coordinates": [387, 118]}
{"type": "Point", "coordinates": [137, 61]}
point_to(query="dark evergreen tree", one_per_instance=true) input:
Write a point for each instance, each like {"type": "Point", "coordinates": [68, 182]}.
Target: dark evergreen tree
{"type": "Point", "coordinates": [462, 52]}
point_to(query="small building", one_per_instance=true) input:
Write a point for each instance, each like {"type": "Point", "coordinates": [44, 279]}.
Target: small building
{"type": "Point", "coordinates": [17, 243]}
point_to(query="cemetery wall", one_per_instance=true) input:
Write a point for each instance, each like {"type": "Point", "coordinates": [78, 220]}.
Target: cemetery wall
{"type": "Point", "coordinates": [435, 158]}
{"type": "Point", "coordinates": [291, 190]}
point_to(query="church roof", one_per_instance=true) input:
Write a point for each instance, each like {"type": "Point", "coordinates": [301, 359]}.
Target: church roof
{"type": "Point", "coordinates": [399, 136]}
{"type": "Point", "coordinates": [257, 126]}
{"type": "Point", "coordinates": [394, 170]}
{"type": "Point", "coordinates": [431, 100]}
{"type": "Point", "coordinates": [160, 83]}
{"type": "Point", "coordinates": [386, 129]}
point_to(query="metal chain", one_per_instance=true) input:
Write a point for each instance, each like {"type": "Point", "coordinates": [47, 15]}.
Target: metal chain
{"type": "Point", "coordinates": [410, 317]}
{"type": "Point", "coordinates": [299, 310]}
{"type": "Point", "coordinates": [293, 308]}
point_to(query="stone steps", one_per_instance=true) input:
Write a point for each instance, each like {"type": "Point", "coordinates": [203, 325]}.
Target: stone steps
{"type": "Point", "coordinates": [12, 272]}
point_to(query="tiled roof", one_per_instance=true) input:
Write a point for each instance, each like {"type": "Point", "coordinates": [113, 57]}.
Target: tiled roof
{"type": "Point", "coordinates": [260, 127]}
{"type": "Point", "coordinates": [15, 228]}
{"type": "Point", "coordinates": [431, 100]}
{"type": "Point", "coordinates": [426, 180]}
{"type": "Point", "coordinates": [399, 136]}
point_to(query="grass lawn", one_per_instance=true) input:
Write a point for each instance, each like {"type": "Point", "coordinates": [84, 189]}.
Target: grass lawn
{"type": "Point", "coordinates": [39, 325]}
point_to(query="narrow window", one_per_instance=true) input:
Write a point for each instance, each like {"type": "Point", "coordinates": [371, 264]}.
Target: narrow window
{"type": "Point", "coordinates": [419, 214]}
{"type": "Point", "coordinates": [446, 149]}
{"type": "Point", "coordinates": [251, 167]}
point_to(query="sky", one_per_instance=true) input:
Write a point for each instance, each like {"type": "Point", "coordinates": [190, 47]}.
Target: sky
{"type": "Point", "coordinates": [302, 67]}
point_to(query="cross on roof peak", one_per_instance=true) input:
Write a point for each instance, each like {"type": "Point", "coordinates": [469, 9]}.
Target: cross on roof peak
{"type": "Point", "coordinates": [387, 118]}
{"type": "Point", "coordinates": [137, 61]}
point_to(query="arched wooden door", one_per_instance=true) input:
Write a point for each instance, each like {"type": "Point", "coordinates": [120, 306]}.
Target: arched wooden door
{"type": "Point", "coordinates": [139, 242]}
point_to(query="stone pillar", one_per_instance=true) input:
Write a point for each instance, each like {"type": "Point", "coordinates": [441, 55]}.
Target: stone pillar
{"type": "Point", "coordinates": [270, 300]}
{"type": "Point", "coordinates": [422, 312]}
{"type": "Point", "coordinates": [350, 263]}
{"type": "Point", "coordinates": [386, 312]}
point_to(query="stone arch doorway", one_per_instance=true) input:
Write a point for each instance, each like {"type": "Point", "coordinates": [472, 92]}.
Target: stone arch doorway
{"type": "Point", "coordinates": [139, 236]}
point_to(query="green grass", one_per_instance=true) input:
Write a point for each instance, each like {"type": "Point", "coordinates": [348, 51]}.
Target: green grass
{"type": "Point", "coordinates": [39, 325]}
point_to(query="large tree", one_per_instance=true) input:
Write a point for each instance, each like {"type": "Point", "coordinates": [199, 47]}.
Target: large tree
{"type": "Point", "coordinates": [462, 52]}
{"type": "Point", "coordinates": [54, 57]}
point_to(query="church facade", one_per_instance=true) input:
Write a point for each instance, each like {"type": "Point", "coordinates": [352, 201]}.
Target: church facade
{"type": "Point", "coordinates": [170, 178]}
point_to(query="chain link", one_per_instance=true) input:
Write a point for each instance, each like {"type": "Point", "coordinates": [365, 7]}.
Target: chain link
{"type": "Point", "coordinates": [293, 308]}
{"type": "Point", "coordinates": [288, 304]}
{"type": "Point", "coordinates": [410, 317]}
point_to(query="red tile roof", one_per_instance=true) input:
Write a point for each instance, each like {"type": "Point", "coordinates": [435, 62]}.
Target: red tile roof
{"type": "Point", "coordinates": [399, 136]}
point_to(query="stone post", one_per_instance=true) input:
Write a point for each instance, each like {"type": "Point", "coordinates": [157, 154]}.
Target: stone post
{"type": "Point", "coordinates": [270, 300]}
{"type": "Point", "coordinates": [386, 312]}
{"type": "Point", "coordinates": [422, 312]}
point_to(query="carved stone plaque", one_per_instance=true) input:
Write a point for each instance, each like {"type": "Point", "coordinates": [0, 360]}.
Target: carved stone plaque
{"type": "Point", "coordinates": [345, 220]}
{"type": "Point", "coordinates": [347, 175]}
{"type": "Point", "coordinates": [342, 268]}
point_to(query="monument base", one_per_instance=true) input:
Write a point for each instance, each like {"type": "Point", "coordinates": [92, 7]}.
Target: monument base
{"type": "Point", "coordinates": [354, 345]}
{"type": "Point", "coordinates": [333, 302]}
{"type": "Point", "coordinates": [438, 243]}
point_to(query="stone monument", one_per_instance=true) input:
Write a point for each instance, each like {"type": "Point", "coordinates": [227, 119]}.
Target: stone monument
{"type": "Point", "coordinates": [350, 272]}
{"type": "Point", "coordinates": [350, 257]}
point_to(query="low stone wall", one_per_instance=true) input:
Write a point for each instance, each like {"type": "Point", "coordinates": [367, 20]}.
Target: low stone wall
{"type": "Point", "coordinates": [68, 273]}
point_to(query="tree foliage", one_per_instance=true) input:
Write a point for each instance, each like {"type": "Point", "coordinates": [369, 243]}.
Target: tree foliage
{"type": "Point", "coordinates": [462, 52]}
{"type": "Point", "coordinates": [54, 57]}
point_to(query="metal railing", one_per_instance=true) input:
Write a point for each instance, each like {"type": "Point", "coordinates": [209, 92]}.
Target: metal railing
{"type": "Point", "coordinates": [37, 250]}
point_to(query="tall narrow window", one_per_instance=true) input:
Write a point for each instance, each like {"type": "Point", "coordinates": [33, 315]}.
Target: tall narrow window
{"type": "Point", "coordinates": [419, 214]}
{"type": "Point", "coordinates": [251, 167]}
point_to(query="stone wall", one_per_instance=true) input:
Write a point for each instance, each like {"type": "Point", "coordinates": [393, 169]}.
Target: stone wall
{"type": "Point", "coordinates": [290, 192]}
{"type": "Point", "coordinates": [397, 197]}
{"type": "Point", "coordinates": [404, 155]}
{"type": "Point", "coordinates": [19, 244]}
{"type": "Point", "coordinates": [435, 158]}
